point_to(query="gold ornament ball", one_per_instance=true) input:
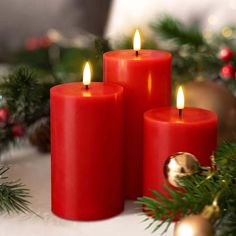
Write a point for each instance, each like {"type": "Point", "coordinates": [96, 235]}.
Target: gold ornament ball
{"type": "Point", "coordinates": [194, 225]}
{"type": "Point", "coordinates": [214, 97]}
{"type": "Point", "coordinates": [179, 165]}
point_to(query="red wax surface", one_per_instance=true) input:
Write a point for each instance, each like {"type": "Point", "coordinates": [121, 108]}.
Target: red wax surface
{"type": "Point", "coordinates": [147, 82]}
{"type": "Point", "coordinates": [87, 129]}
{"type": "Point", "coordinates": [166, 134]}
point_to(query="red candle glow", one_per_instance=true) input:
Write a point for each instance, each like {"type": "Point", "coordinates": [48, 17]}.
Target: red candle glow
{"type": "Point", "coordinates": [146, 78]}
{"type": "Point", "coordinates": [168, 131]}
{"type": "Point", "coordinates": [87, 149]}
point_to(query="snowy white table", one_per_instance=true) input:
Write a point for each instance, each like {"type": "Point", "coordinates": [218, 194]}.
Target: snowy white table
{"type": "Point", "coordinates": [33, 169]}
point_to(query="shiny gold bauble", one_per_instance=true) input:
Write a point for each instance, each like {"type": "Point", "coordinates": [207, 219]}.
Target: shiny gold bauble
{"type": "Point", "coordinates": [194, 225]}
{"type": "Point", "coordinates": [214, 97]}
{"type": "Point", "coordinates": [179, 165]}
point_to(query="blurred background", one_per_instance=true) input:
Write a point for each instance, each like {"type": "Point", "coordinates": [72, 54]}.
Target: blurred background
{"type": "Point", "coordinates": [113, 19]}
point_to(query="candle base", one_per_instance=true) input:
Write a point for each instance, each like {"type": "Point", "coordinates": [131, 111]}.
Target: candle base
{"type": "Point", "coordinates": [77, 216]}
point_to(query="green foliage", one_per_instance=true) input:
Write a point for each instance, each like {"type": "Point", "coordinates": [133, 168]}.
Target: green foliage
{"type": "Point", "coordinates": [26, 97]}
{"type": "Point", "coordinates": [199, 191]}
{"type": "Point", "coordinates": [13, 195]}
{"type": "Point", "coordinates": [170, 28]}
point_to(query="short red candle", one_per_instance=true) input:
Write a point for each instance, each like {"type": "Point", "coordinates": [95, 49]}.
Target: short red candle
{"type": "Point", "coordinates": [166, 133]}
{"type": "Point", "coordinates": [87, 150]}
{"type": "Point", "coordinates": [146, 78]}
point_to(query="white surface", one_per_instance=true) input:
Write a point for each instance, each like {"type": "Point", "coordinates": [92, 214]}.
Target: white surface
{"type": "Point", "coordinates": [34, 171]}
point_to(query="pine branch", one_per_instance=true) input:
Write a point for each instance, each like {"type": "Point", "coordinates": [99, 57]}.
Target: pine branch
{"type": "Point", "coordinates": [13, 195]}
{"type": "Point", "coordinates": [226, 155]}
{"type": "Point", "coordinates": [227, 226]}
{"type": "Point", "coordinates": [170, 28]}
{"type": "Point", "coordinates": [21, 92]}
{"type": "Point", "coordinates": [180, 203]}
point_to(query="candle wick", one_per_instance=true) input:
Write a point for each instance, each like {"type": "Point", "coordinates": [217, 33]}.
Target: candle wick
{"type": "Point", "coordinates": [180, 113]}
{"type": "Point", "coordinates": [136, 53]}
{"type": "Point", "coordinates": [86, 87]}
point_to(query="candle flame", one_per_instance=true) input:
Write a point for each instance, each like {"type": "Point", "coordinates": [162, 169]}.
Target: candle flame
{"type": "Point", "coordinates": [137, 41]}
{"type": "Point", "coordinates": [180, 98]}
{"type": "Point", "coordinates": [87, 74]}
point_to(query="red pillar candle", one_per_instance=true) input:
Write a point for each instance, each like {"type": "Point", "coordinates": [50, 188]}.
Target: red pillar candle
{"type": "Point", "coordinates": [146, 77]}
{"type": "Point", "coordinates": [168, 131]}
{"type": "Point", "coordinates": [87, 150]}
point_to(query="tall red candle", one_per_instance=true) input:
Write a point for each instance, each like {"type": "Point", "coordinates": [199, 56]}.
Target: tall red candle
{"type": "Point", "coordinates": [166, 133]}
{"type": "Point", "coordinates": [87, 150]}
{"type": "Point", "coordinates": [146, 78]}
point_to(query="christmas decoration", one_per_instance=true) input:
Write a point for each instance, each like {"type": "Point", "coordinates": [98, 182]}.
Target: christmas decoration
{"type": "Point", "coordinates": [4, 115]}
{"type": "Point", "coordinates": [226, 54]}
{"type": "Point", "coordinates": [45, 42]}
{"type": "Point", "coordinates": [227, 72]}
{"type": "Point", "coordinates": [195, 57]}
{"type": "Point", "coordinates": [18, 130]}
{"type": "Point", "coordinates": [31, 44]}
{"type": "Point", "coordinates": [180, 165]}
{"type": "Point", "coordinates": [214, 97]}
{"type": "Point", "coordinates": [213, 194]}
{"type": "Point", "coordinates": [201, 224]}
{"type": "Point", "coordinates": [195, 225]}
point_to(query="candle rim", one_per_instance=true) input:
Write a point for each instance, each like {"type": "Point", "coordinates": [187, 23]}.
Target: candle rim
{"type": "Point", "coordinates": [212, 116]}
{"type": "Point", "coordinates": [117, 89]}
{"type": "Point", "coordinates": [154, 54]}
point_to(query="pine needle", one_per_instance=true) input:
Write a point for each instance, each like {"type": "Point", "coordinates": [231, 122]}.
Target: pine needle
{"type": "Point", "coordinates": [13, 195]}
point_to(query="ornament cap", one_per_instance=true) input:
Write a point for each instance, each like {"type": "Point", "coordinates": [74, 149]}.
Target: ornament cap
{"type": "Point", "coordinates": [211, 212]}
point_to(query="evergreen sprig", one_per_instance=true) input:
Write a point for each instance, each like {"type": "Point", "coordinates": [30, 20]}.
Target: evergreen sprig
{"type": "Point", "coordinates": [170, 28]}
{"type": "Point", "coordinates": [13, 195]}
{"type": "Point", "coordinates": [23, 94]}
{"type": "Point", "coordinates": [199, 191]}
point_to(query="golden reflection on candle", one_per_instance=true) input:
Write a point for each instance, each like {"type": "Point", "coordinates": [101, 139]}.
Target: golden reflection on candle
{"type": "Point", "coordinates": [86, 94]}
{"type": "Point", "coordinates": [149, 84]}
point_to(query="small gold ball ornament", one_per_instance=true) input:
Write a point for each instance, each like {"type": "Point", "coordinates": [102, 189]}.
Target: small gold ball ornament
{"type": "Point", "coordinates": [194, 225]}
{"type": "Point", "coordinates": [180, 165]}
{"type": "Point", "coordinates": [198, 225]}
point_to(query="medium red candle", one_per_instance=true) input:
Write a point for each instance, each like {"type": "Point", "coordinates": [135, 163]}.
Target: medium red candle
{"type": "Point", "coordinates": [146, 77]}
{"type": "Point", "coordinates": [87, 150]}
{"type": "Point", "coordinates": [170, 130]}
